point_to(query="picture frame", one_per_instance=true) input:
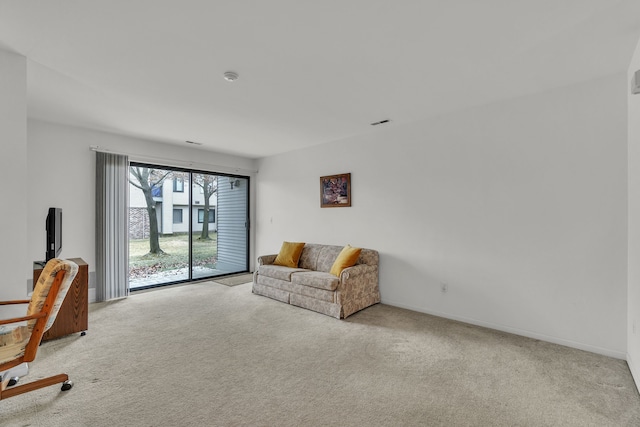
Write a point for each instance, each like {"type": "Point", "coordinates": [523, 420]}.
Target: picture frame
{"type": "Point", "coordinates": [335, 191]}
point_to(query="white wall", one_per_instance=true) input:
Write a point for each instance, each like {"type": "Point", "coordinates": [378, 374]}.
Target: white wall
{"type": "Point", "coordinates": [519, 206]}
{"type": "Point", "coordinates": [14, 172]}
{"type": "Point", "coordinates": [633, 296]}
{"type": "Point", "coordinates": [62, 174]}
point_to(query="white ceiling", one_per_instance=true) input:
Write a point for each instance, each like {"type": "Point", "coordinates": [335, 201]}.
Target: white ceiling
{"type": "Point", "coordinates": [310, 71]}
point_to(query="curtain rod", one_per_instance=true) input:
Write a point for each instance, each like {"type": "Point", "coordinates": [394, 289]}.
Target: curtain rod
{"type": "Point", "coordinates": [172, 162]}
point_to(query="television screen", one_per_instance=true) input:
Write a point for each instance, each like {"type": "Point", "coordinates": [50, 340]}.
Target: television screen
{"type": "Point", "coordinates": [54, 233]}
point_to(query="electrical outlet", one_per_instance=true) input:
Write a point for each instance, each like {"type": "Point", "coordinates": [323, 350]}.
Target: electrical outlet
{"type": "Point", "coordinates": [444, 287]}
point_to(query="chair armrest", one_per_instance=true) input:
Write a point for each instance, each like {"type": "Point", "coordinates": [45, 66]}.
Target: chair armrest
{"type": "Point", "coordinates": [266, 259]}
{"type": "Point", "coordinates": [22, 301]}
{"type": "Point", "coordinates": [22, 319]}
{"type": "Point", "coordinates": [10, 320]}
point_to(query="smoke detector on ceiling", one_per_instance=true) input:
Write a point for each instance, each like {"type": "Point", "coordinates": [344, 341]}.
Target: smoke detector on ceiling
{"type": "Point", "coordinates": [230, 76]}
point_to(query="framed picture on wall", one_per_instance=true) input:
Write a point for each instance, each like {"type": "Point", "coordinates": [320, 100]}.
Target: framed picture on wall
{"type": "Point", "coordinates": [335, 191]}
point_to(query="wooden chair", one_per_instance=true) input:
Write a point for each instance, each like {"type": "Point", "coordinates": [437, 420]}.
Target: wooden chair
{"type": "Point", "coordinates": [20, 337]}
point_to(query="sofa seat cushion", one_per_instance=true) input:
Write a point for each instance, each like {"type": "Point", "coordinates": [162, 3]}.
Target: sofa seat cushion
{"type": "Point", "coordinates": [311, 292]}
{"type": "Point", "coordinates": [282, 285]}
{"type": "Point", "coordinates": [316, 279]}
{"type": "Point", "coordinates": [278, 271]}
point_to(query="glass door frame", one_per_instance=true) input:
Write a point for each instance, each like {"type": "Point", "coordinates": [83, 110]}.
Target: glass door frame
{"type": "Point", "coordinates": [191, 210]}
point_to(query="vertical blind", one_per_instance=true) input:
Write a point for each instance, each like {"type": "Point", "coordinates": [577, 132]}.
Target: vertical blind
{"type": "Point", "coordinates": [112, 249]}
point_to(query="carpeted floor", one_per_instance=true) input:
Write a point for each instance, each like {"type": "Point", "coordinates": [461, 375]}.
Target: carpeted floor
{"type": "Point", "coordinates": [212, 355]}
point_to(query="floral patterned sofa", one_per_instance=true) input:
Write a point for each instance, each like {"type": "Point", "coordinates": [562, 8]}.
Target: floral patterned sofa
{"type": "Point", "coordinates": [311, 285]}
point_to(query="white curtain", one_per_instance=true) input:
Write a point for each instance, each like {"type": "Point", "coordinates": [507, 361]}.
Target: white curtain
{"type": "Point", "coordinates": [112, 226]}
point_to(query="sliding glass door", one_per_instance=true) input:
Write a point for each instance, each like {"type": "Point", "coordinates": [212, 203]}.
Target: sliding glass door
{"type": "Point", "coordinates": [233, 224]}
{"type": "Point", "coordinates": [185, 225]}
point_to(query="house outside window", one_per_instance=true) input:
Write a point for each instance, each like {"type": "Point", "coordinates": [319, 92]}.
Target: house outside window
{"type": "Point", "coordinates": [178, 186]}
{"type": "Point", "coordinates": [212, 216]}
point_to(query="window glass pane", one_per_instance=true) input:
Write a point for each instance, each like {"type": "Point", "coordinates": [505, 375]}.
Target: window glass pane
{"type": "Point", "coordinates": [177, 216]}
{"type": "Point", "coordinates": [158, 236]}
{"type": "Point", "coordinates": [205, 230]}
{"type": "Point", "coordinates": [178, 185]}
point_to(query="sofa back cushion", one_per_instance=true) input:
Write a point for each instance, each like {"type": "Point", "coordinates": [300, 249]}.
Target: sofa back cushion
{"type": "Point", "coordinates": [309, 256]}
{"type": "Point", "coordinates": [321, 257]}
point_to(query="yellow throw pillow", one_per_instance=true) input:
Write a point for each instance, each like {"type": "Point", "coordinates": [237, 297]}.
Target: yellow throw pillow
{"type": "Point", "coordinates": [289, 254]}
{"type": "Point", "coordinates": [347, 258]}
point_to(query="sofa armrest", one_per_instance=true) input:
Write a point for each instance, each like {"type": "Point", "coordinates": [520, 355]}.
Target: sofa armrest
{"type": "Point", "coordinates": [351, 273]}
{"type": "Point", "coordinates": [357, 280]}
{"type": "Point", "coordinates": [358, 288]}
{"type": "Point", "coordinates": [267, 259]}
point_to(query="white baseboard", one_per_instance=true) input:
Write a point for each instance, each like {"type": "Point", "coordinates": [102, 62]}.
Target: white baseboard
{"type": "Point", "coordinates": [635, 374]}
{"type": "Point", "coordinates": [555, 340]}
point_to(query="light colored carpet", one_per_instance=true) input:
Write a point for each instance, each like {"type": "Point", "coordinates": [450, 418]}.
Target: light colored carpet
{"type": "Point", "coordinates": [212, 355]}
{"type": "Point", "coordinates": [240, 279]}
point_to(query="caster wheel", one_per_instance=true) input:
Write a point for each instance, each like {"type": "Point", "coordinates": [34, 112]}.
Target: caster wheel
{"type": "Point", "coordinates": [83, 333]}
{"type": "Point", "coordinates": [13, 381]}
{"type": "Point", "coordinates": [67, 385]}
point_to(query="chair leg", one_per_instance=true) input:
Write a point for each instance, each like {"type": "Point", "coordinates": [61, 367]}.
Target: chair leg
{"type": "Point", "coordinates": [35, 385]}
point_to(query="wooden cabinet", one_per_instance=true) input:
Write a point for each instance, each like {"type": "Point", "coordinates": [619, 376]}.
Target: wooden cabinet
{"type": "Point", "coordinates": [74, 313]}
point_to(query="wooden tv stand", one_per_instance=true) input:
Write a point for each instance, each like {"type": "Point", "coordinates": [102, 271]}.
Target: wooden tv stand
{"type": "Point", "coordinates": [74, 313]}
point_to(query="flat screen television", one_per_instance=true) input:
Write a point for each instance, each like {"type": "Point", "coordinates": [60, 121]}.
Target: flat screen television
{"type": "Point", "coordinates": [54, 233]}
